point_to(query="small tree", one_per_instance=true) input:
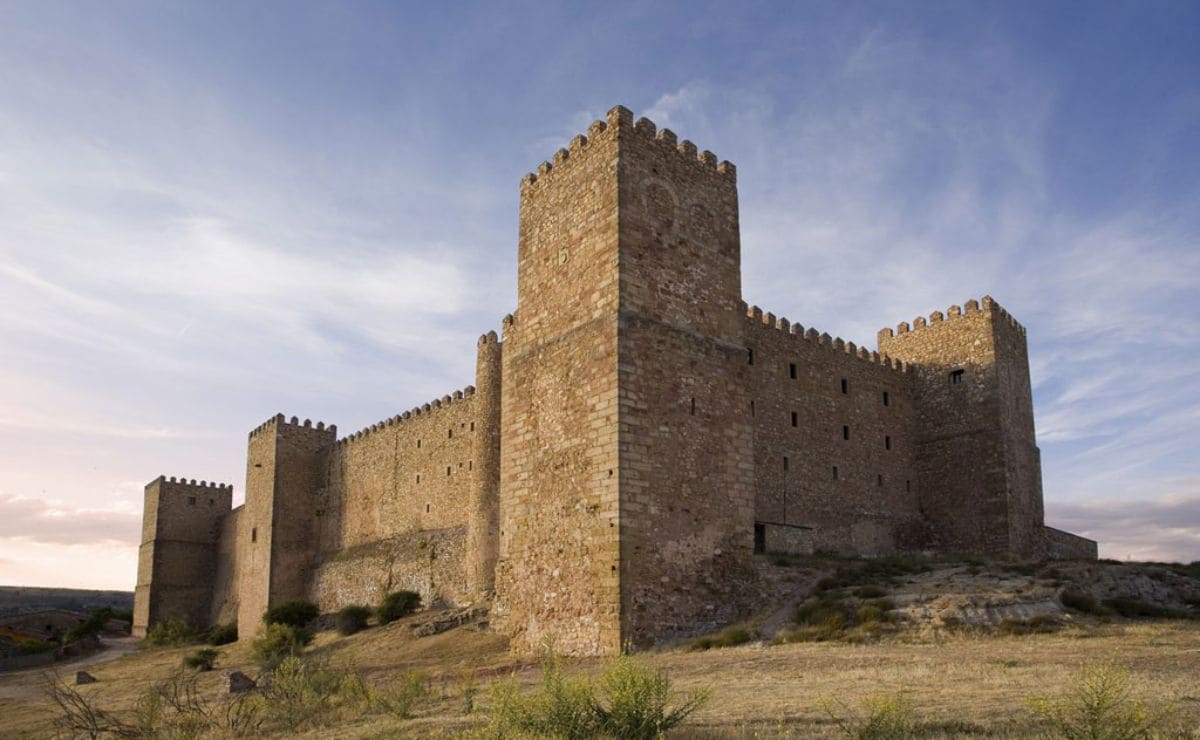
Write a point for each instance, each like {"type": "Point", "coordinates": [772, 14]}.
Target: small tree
{"type": "Point", "coordinates": [397, 605]}
{"type": "Point", "coordinates": [275, 642]}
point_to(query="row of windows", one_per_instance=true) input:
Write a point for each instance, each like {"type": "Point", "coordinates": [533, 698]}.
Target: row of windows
{"type": "Point", "coordinates": [191, 500]}
{"type": "Point", "coordinates": [836, 475]}
{"type": "Point", "coordinates": [794, 373]}
{"type": "Point", "coordinates": [450, 432]}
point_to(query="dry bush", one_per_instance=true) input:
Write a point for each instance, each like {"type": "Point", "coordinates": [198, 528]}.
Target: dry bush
{"type": "Point", "coordinates": [1102, 703]}
{"type": "Point", "coordinates": [880, 717]}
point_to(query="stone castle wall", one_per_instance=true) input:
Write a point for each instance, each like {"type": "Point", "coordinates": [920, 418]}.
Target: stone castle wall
{"type": "Point", "coordinates": [833, 438]}
{"type": "Point", "coordinates": [635, 437]}
{"type": "Point", "coordinates": [177, 559]}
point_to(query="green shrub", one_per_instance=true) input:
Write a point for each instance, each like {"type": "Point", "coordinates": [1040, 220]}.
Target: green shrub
{"type": "Point", "coordinates": [1080, 601]}
{"type": "Point", "coordinates": [727, 637]}
{"type": "Point", "coordinates": [171, 633]}
{"type": "Point", "coordinates": [90, 626]}
{"type": "Point", "coordinates": [352, 619]}
{"type": "Point", "coordinates": [869, 613]}
{"type": "Point", "coordinates": [304, 694]}
{"type": "Point", "coordinates": [1101, 704]}
{"type": "Point", "coordinates": [276, 642]}
{"type": "Point", "coordinates": [297, 613]}
{"type": "Point", "coordinates": [222, 634]}
{"type": "Point", "coordinates": [881, 717]}
{"type": "Point", "coordinates": [397, 605]}
{"type": "Point", "coordinates": [632, 702]}
{"type": "Point", "coordinates": [638, 702]}
{"type": "Point", "coordinates": [560, 706]}
{"type": "Point", "coordinates": [203, 659]}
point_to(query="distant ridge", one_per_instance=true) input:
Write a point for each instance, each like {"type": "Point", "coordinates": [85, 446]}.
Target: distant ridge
{"type": "Point", "coordinates": [25, 599]}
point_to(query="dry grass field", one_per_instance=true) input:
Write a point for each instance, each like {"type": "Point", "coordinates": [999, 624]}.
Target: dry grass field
{"type": "Point", "coordinates": [959, 682]}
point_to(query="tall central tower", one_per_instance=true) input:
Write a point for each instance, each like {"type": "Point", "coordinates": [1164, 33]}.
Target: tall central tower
{"type": "Point", "coordinates": [626, 499]}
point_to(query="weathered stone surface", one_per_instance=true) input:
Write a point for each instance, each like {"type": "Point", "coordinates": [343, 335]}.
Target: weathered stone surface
{"type": "Point", "coordinates": [237, 682]}
{"type": "Point", "coordinates": [83, 677]}
{"type": "Point", "coordinates": [635, 434]}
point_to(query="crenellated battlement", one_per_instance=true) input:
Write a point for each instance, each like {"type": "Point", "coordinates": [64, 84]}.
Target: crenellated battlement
{"type": "Point", "coordinates": [279, 420]}
{"type": "Point", "coordinates": [489, 338]}
{"type": "Point", "coordinates": [416, 412]}
{"type": "Point", "coordinates": [193, 484]}
{"type": "Point", "coordinates": [619, 122]}
{"type": "Point", "coordinates": [835, 344]}
{"type": "Point", "coordinates": [987, 305]}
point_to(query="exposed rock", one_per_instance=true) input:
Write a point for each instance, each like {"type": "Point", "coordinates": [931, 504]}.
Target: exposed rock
{"type": "Point", "coordinates": [438, 622]}
{"type": "Point", "coordinates": [239, 682]}
{"type": "Point", "coordinates": [82, 677]}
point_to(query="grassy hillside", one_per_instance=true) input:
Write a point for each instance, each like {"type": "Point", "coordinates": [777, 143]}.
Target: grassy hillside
{"type": "Point", "coordinates": [937, 663]}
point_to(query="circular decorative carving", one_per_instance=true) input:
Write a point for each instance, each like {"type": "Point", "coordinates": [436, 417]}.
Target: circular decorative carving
{"type": "Point", "coordinates": [660, 207]}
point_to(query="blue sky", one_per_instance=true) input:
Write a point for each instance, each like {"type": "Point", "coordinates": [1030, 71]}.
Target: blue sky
{"type": "Point", "coordinates": [213, 212]}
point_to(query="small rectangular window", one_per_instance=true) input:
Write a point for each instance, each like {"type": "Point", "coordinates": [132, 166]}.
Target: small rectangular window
{"type": "Point", "coordinates": [427, 507]}
{"type": "Point", "coordinates": [908, 486]}
{"type": "Point", "coordinates": [472, 426]}
{"type": "Point", "coordinates": [956, 376]}
{"type": "Point", "coordinates": [792, 370]}
{"type": "Point", "coordinates": [785, 462]}
{"type": "Point", "coordinates": [449, 434]}
{"type": "Point", "coordinates": [845, 386]}
{"type": "Point", "coordinates": [470, 464]}
{"type": "Point", "coordinates": [418, 444]}
{"type": "Point", "coordinates": [693, 407]}
{"type": "Point", "coordinates": [795, 419]}
{"type": "Point", "coordinates": [447, 470]}
{"type": "Point", "coordinates": [191, 500]}
{"type": "Point", "coordinates": [845, 432]}
{"type": "Point", "coordinates": [887, 442]}
{"type": "Point", "coordinates": [885, 398]}
{"type": "Point", "coordinates": [254, 534]}
{"type": "Point", "coordinates": [418, 477]}
{"type": "Point", "coordinates": [835, 472]}
{"type": "Point", "coordinates": [752, 408]}
{"type": "Point", "coordinates": [880, 479]}
{"type": "Point", "coordinates": [750, 354]}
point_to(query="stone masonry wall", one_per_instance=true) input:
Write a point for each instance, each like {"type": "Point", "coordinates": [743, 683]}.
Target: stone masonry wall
{"type": "Point", "coordinates": [686, 496]}
{"type": "Point", "coordinates": [177, 559]}
{"type": "Point", "coordinates": [833, 443]}
{"type": "Point", "coordinates": [224, 606]}
{"type": "Point", "coordinates": [390, 487]}
{"type": "Point", "coordinates": [1062, 545]}
{"type": "Point", "coordinates": [961, 440]}
{"type": "Point", "coordinates": [557, 569]}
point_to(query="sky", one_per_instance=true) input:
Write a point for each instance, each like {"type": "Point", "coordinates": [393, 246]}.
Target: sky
{"type": "Point", "coordinates": [211, 212]}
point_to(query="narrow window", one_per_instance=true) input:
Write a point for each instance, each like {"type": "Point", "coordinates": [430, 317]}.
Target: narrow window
{"type": "Point", "coordinates": [447, 470]}
{"type": "Point", "coordinates": [887, 442]}
{"type": "Point", "coordinates": [792, 370]}
{"type": "Point", "coordinates": [426, 508]}
{"type": "Point", "coordinates": [885, 398]}
{"type": "Point", "coordinates": [752, 408]}
{"type": "Point", "coordinates": [470, 464]}
{"type": "Point", "coordinates": [750, 354]}
{"type": "Point", "coordinates": [418, 444]}
{"type": "Point", "coordinates": [956, 376]}
{"type": "Point", "coordinates": [418, 477]}
{"type": "Point", "coordinates": [760, 537]}
{"type": "Point", "coordinates": [472, 426]}
{"type": "Point", "coordinates": [693, 407]}
{"type": "Point", "coordinates": [795, 419]}
{"type": "Point", "coordinates": [880, 478]}
{"type": "Point", "coordinates": [449, 434]}
{"type": "Point", "coordinates": [191, 500]}
{"type": "Point", "coordinates": [908, 486]}
{"type": "Point", "coordinates": [254, 534]}
{"type": "Point", "coordinates": [835, 474]}
{"type": "Point", "coordinates": [845, 386]}
{"type": "Point", "coordinates": [845, 432]}
{"type": "Point", "coordinates": [211, 502]}
{"type": "Point", "coordinates": [785, 462]}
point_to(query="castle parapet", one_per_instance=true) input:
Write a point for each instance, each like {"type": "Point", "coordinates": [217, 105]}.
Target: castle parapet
{"type": "Point", "coordinates": [279, 420]}
{"type": "Point", "coordinates": [620, 120]}
{"type": "Point", "coordinates": [458, 396]}
{"type": "Point", "coordinates": [987, 305]}
{"type": "Point", "coordinates": [796, 330]}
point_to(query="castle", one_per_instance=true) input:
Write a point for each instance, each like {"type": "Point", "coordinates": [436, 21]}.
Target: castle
{"type": "Point", "coordinates": [632, 440]}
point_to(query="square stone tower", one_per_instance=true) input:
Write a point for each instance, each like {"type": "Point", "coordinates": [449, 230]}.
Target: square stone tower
{"type": "Point", "coordinates": [626, 468]}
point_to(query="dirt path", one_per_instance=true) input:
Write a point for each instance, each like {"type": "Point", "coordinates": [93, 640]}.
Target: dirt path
{"type": "Point", "coordinates": [27, 684]}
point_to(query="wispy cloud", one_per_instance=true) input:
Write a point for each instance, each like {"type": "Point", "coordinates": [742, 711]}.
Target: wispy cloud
{"type": "Point", "coordinates": [1165, 528]}
{"type": "Point", "coordinates": [40, 521]}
